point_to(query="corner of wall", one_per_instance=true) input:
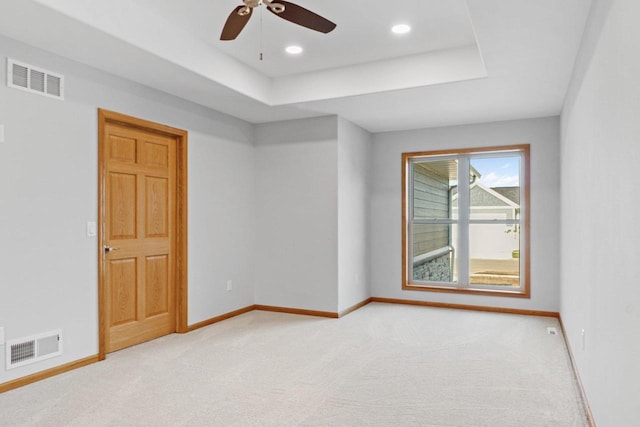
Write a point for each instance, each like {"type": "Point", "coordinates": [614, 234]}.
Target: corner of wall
{"type": "Point", "coordinates": [354, 165]}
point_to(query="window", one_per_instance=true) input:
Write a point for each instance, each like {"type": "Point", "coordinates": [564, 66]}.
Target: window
{"type": "Point", "coordinates": [466, 235]}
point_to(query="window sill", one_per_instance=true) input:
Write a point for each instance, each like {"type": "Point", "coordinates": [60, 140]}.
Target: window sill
{"type": "Point", "coordinates": [517, 293]}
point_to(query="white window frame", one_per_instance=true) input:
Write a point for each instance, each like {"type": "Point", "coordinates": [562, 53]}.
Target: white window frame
{"type": "Point", "coordinates": [464, 221]}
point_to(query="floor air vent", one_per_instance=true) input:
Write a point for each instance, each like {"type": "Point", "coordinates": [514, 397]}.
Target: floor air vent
{"type": "Point", "coordinates": [34, 79]}
{"type": "Point", "coordinates": [25, 351]}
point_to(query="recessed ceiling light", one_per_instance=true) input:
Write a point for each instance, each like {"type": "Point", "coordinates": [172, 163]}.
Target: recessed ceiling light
{"type": "Point", "coordinates": [293, 50]}
{"type": "Point", "coordinates": [401, 29]}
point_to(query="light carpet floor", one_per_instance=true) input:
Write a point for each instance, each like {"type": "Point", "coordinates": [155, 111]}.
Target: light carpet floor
{"type": "Point", "coordinates": [383, 365]}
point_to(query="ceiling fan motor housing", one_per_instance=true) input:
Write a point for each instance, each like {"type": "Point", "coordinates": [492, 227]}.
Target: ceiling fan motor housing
{"type": "Point", "coordinates": [252, 3]}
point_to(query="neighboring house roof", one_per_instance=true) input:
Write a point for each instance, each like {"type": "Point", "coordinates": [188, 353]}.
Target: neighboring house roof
{"type": "Point", "coordinates": [482, 195]}
{"type": "Point", "coordinates": [511, 193]}
{"type": "Point", "coordinates": [485, 196]}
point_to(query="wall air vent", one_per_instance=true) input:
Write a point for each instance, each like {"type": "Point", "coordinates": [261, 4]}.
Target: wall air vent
{"type": "Point", "coordinates": [25, 351]}
{"type": "Point", "coordinates": [34, 79]}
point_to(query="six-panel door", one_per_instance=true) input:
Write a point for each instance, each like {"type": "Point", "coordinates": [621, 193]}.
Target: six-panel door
{"type": "Point", "coordinates": [140, 227]}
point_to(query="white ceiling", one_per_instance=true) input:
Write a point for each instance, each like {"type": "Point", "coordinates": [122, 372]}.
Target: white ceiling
{"type": "Point", "coordinates": [464, 62]}
{"type": "Point", "coordinates": [436, 24]}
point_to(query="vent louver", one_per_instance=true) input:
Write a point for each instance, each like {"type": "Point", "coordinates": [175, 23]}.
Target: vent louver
{"type": "Point", "coordinates": [34, 79]}
{"type": "Point", "coordinates": [54, 86]}
{"type": "Point", "coordinates": [25, 351]}
{"type": "Point", "coordinates": [20, 76]}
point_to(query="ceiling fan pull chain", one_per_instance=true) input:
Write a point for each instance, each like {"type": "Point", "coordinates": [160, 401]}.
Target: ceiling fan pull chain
{"type": "Point", "coordinates": [260, 34]}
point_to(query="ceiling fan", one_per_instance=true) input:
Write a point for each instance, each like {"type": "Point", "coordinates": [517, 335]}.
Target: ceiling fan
{"type": "Point", "coordinates": [284, 9]}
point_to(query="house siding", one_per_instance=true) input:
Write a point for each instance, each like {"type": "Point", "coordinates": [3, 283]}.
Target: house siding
{"type": "Point", "coordinates": [430, 200]}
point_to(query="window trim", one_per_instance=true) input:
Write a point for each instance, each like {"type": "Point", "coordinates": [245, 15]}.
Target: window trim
{"type": "Point", "coordinates": [525, 228]}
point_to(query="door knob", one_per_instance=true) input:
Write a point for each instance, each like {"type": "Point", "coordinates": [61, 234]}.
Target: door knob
{"type": "Point", "coordinates": [108, 249]}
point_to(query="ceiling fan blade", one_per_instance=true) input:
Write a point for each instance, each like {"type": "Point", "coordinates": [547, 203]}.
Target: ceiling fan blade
{"type": "Point", "coordinates": [301, 16]}
{"type": "Point", "coordinates": [235, 23]}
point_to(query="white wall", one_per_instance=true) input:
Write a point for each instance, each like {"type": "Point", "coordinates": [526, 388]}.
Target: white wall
{"type": "Point", "coordinates": [297, 220]}
{"type": "Point", "coordinates": [600, 233]}
{"type": "Point", "coordinates": [354, 159]}
{"type": "Point", "coordinates": [386, 219]}
{"type": "Point", "coordinates": [222, 234]}
{"type": "Point", "coordinates": [48, 191]}
{"type": "Point", "coordinates": [312, 214]}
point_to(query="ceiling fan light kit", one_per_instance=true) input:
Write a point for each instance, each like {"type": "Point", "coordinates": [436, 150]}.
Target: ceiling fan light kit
{"type": "Point", "coordinates": [283, 9]}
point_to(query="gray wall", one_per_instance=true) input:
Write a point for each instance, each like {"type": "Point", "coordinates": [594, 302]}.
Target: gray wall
{"type": "Point", "coordinates": [354, 161]}
{"type": "Point", "coordinates": [542, 134]}
{"type": "Point", "coordinates": [48, 191]}
{"type": "Point", "coordinates": [312, 214]}
{"type": "Point", "coordinates": [297, 214]}
{"type": "Point", "coordinates": [600, 235]}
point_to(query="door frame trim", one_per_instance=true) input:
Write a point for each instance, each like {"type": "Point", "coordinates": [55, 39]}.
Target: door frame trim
{"type": "Point", "coordinates": [181, 137]}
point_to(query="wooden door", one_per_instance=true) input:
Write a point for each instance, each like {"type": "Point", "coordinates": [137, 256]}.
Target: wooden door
{"type": "Point", "coordinates": [139, 213]}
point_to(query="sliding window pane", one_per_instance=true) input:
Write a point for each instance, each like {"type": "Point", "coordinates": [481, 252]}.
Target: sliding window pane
{"type": "Point", "coordinates": [434, 185]}
{"type": "Point", "coordinates": [434, 254]}
{"type": "Point", "coordinates": [494, 251]}
{"type": "Point", "coordinates": [495, 188]}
